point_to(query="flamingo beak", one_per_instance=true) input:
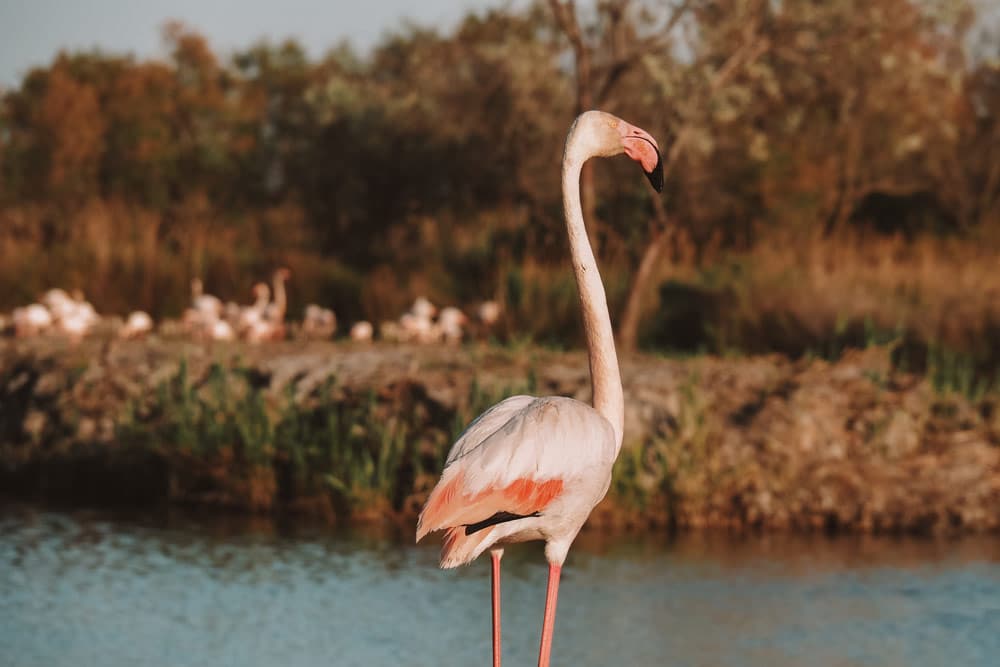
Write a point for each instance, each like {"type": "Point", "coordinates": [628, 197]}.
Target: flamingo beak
{"type": "Point", "coordinates": [642, 147]}
{"type": "Point", "coordinates": [655, 176]}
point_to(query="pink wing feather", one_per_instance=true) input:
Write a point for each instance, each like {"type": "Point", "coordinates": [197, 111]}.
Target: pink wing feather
{"type": "Point", "coordinates": [516, 457]}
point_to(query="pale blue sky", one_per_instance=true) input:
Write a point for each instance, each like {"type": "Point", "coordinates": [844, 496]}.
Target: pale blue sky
{"type": "Point", "coordinates": [33, 31]}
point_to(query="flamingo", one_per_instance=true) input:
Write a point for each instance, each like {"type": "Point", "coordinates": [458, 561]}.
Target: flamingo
{"type": "Point", "coordinates": [362, 331]}
{"type": "Point", "coordinates": [533, 468]}
{"type": "Point", "coordinates": [417, 328]}
{"type": "Point", "coordinates": [57, 301]}
{"type": "Point", "coordinates": [78, 317]}
{"type": "Point", "coordinates": [31, 320]}
{"type": "Point", "coordinates": [271, 325]}
{"type": "Point", "coordinates": [220, 330]}
{"type": "Point", "coordinates": [251, 315]}
{"type": "Point", "coordinates": [206, 304]}
{"type": "Point", "coordinates": [488, 312]}
{"type": "Point", "coordinates": [138, 324]}
{"type": "Point", "coordinates": [275, 311]}
{"type": "Point", "coordinates": [423, 308]}
{"type": "Point", "coordinates": [449, 324]}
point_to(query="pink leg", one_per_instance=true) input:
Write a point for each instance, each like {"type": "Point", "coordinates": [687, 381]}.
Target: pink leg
{"type": "Point", "coordinates": [549, 621]}
{"type": "Point", "coordinates": [496, 555]}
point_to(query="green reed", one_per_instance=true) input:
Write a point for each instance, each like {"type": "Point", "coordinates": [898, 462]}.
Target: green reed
{"type": "Point", "coordinates": [647, 471]}
{"type": "Point", "coordinates": [361, 451]}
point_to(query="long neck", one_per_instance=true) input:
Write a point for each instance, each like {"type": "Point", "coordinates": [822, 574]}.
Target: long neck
{"type": "Point", "coordinates": [263, 297]}
{"type": "Point", "coordinates": [604, 373]}
{"type": "Point", "coordinates": [279, 296]}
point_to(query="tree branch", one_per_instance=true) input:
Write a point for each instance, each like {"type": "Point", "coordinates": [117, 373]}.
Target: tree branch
{"type": "Point", "coordinates": [658, 237]}
{"type": "Point", "coordinates": [612, 72]}
{"type": "Point", "coordinates": [565, 13]}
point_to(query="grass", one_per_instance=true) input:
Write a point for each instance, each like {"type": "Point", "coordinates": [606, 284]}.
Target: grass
{"type": "Point", "coordinates": [360, 453]}
{"type": "Point", "coordinates": [818, 296]}
{"type": "Point", "coordinates": [231, 442]}
{"type": "Point", "coordinates": [648, 472]}
{"type": "Point", "coordinates": [951, 371]}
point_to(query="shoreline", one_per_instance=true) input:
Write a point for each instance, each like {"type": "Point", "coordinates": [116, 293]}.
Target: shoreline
{"type": "Point", "coordinates": [356, 434]}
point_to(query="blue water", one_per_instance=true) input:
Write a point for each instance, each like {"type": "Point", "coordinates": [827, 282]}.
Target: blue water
{"type": "Point", "coordinates": [84, 589]}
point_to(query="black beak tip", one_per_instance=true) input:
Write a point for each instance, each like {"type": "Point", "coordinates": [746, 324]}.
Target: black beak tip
{"type": "Point", "coordinates": [656, 175]}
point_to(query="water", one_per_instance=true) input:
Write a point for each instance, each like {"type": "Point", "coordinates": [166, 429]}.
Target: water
{"type": "Point", "coordinates": [79, 589]}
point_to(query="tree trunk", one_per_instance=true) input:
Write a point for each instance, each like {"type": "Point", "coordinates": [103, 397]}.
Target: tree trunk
{"type": "Point", "coordinates": [565, 13]}
{"type": "Point", "coordinates": [628, 330]}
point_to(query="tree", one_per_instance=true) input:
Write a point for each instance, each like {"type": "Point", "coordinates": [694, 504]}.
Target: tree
{"type": "Point", "coordinates": [58, 127]}
{"type": "Point", "coordinates": [603, 53]}
{"type": "Point", "coordinates": [727, 49]}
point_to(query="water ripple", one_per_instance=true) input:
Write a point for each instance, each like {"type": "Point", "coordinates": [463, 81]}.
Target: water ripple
{"type": "Point", "coordinates": [82, 589]}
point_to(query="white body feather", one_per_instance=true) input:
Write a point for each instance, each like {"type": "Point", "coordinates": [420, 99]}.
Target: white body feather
{"type": "Point", "coordinates": [537, 439]}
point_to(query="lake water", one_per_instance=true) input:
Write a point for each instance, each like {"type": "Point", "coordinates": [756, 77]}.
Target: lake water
{"type": "Point", "coordinates": [87, 589]}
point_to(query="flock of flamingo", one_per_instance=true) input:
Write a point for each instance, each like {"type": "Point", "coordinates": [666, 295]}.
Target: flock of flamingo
{"type": "Point", "coordinates": [208, 318]}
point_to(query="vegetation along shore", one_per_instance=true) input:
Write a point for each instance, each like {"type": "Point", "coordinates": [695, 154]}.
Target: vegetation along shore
{"type": "Point", "coordinates": [358, 433]}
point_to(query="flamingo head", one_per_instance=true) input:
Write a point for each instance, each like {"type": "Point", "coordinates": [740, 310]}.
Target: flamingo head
{"type": "Point", "coordinates": [607, 135]}
{"type": "Point", "coordinates": [261, 291]}
{"type": "Point", "coordinates": [284, 273]}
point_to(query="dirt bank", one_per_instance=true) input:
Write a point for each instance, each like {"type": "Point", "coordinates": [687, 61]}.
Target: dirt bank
{"type": "Point", "coordinates": [360, 432]}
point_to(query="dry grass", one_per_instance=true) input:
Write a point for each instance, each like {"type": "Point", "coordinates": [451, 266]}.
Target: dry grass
{"type": "Point", "coordinates": [820, 295]}
{"type": "Point", "coordinates": [126, 257]}
{"type": "Point", "coordinates": [937, 290]}
{"type": "Point", "coordinates": [796, 295]}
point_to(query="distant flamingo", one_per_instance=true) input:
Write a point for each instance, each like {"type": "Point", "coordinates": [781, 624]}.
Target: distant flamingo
{"type": "Point", "coordinates": [362, 331]}
{"type": "Point", "coordinates": [275, 311]}
{"type": "Point", "coordinates": [449, 324]}
{"type": "Point", "coordinates": [417, 328]}
{"type": "Point", "coordinates": [423, 308]}
{"type": "Point", "coordinates": [488, 312]}
{"type": "Point", "coordinates": [31, 320]}
{"type": "Point", "coordinates": [80, 317]}
{"type": "Point", "coordinates": [251, 315]}
{"type": "Point", "coordinates": [138, 325]}
{"type": "Point", "coordinates": [206, 304]}
{"type": "Point", "coordinates": [56, 299]}
{"type": "Point", "coordinates": [219, 330]}
{"type": "Point", "coordinates": [533, 468]}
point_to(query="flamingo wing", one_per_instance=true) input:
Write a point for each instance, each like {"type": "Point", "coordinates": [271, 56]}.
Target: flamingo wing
{"type": "Point", "coordinates": [514, 460]}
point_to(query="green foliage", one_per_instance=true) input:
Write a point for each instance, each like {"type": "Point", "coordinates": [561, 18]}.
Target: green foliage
{"type": "Point", "coordinates": [953, 371]}
{"type": "Point", "coordinates": [648, 471]}
{"type": "Point", "coordinates": [359, 451]}
{"type": "Point", "coordinates": [223, 412]}
{"type": "Point", "coordinates": [348, 448]}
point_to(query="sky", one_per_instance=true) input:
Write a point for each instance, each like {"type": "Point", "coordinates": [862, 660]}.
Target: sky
{"type": "Point", "coordinates": [33, 31]}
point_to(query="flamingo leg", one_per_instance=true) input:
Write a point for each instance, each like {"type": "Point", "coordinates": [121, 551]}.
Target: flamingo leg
{"type": "Point", "coordinates": [549, 620]}
{"type": "Point", "coordinates": [496, 555]}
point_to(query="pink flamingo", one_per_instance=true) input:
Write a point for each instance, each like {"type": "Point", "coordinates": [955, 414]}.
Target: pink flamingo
{"type": "Point", "coordinates": [533, 468]}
